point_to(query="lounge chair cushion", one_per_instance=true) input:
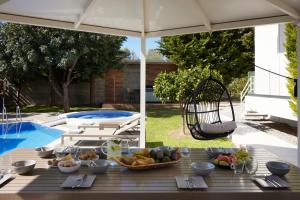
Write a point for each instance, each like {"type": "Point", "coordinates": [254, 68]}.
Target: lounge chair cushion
{"type": "Point", "coordinates": [218, 128]}
{"type": "Point", "coordinates": [75, 131]}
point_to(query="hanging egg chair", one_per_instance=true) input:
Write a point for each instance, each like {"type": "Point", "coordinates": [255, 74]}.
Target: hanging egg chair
{"type": "Point", "coordinates": [202, 111]}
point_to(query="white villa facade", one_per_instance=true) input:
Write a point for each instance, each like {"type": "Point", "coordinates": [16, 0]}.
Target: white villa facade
{"type": "Point", "coordinates": [270, 95]}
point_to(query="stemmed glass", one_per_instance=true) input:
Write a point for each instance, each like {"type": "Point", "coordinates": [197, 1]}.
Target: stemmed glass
{"type": "Point", "coordinates": [185, 153]}
{"type": "Point", "coordinates": [251, 166]}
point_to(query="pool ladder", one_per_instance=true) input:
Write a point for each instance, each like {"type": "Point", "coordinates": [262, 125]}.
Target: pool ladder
{"type": "Point", "coordinates": [4, 121]}
{"type": "Point", "coordinates": [18, 119]}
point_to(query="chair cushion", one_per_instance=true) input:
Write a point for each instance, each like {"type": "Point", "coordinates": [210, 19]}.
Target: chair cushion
{"type": "Point", "coordinates": [75, 131]}
{"type": "Point", "coordinates": [218, 128]}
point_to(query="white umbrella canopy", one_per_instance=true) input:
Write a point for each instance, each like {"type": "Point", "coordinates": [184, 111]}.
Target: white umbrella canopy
{"type": "Point", "coordinates": [149, 17]}
{"type": "Point", "coordinates": [152, 18]}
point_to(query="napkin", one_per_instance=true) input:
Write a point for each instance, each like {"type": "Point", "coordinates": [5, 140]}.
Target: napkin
{"type": "Point", "coordinates": [190, 182]}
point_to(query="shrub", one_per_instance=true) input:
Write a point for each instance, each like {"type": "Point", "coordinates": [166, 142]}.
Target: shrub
{"type": "Point", "coordinates": [291, 54]}
{"type": "Point", "coordinates": [236, 86]}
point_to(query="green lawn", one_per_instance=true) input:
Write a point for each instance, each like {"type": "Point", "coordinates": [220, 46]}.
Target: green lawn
{"type": "Point", "coordinates": [163, 127]}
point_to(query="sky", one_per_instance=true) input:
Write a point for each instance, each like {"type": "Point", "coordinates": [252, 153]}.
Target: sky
{"type": "Point", "coordinates": [133, 44]}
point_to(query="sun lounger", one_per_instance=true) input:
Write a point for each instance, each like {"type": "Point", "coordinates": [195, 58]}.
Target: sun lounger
{"type": "Point", "coordinates": [122, 130]}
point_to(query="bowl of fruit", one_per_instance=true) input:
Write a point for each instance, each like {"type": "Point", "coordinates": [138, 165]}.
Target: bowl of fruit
{"type": "Point", "coordinates": [85, 157]}
{"type": "Point", "coordinates": [68, 166]}
{"type": "Point", "coordinates": [150, 158]}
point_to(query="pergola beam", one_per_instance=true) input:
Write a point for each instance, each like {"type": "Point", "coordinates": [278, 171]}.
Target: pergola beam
{"type": "Point", "coordinates": [204, 16]}
{"type": "Point", "coordinates": [19, 19]}
{"type": "Point", "coordinates": [222, 26]}
{"type": "Point", "coordinates": [284, 7]}
{"type": "Point", "coordinates": [88, 7]}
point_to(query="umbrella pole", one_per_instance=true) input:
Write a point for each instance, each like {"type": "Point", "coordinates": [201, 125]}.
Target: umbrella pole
{"type": "Point", "coordinates": [143, 92]}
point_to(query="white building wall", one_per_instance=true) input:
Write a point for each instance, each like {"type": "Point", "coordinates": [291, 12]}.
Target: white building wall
{"type": "Point", "coordinates": [270, 91]}
{"type": "Point", "coordinates": [270, 54]}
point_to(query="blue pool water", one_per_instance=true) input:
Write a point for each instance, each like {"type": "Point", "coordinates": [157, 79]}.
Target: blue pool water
{"type": "Point", "coordinates": [31, 135]}
{"type": "Point", "coordinates": [100, 114]}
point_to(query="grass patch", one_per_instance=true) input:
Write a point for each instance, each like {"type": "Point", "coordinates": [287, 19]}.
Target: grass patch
{"type": "Point", "coordinates": [164, 126]}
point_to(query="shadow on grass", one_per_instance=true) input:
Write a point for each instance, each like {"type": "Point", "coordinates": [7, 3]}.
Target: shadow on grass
{"type": "Point", "coordinates": [162, 113]}
{"type": "Point", "coordinates": [154, 144]}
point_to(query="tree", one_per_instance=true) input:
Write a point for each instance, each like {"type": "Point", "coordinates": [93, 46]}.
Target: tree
{"type": "Point", "coordinates": [98, 60]}
{"type": "Point", "coordinates": [178, 86]}
{"type": "Point", "coordinates": [131, 54]}
{"type": "Point", "coordinates": [229, 52]}
{"type": "Point", "coordinates": [154, 55]}
{"type": "Point", "coordinates": [16, 55]}
{"type": "Point", "coordinates": [291, 54]}
{"type": "Point", "coordinates": [64, 56]}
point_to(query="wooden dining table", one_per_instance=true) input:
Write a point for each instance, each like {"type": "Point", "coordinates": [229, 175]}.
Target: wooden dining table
{"type": "Point", "coordinates": [157, 184]}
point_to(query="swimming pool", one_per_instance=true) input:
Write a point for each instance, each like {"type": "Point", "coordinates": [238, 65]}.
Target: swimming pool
{"type": "Point", "coordinates": [89, 117]}
{"type": "Point", "coordinates": [31, 135]}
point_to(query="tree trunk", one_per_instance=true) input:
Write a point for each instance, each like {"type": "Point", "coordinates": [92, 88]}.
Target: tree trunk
{"type": "Point", "coordinates": [66, 102]}
{"type": "Point", "coordinates": [51, 89]}
{"type": "Point", "coordinates": [92, 90]}
{"type": "Point", "coordinates": [52, 97]}
{"type": "Point", "coordinates": [181, 104]}
{"type": "Point", "coordinates": [18, 95]}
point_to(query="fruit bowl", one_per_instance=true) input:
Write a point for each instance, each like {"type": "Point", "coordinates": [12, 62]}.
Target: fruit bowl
{"type": "Point", "coordinates": [148, 166]}
{"type": "Point", "coordinates": [143, 159]}
{"type": "Point", "coordinates": [85, 162]}
{"type": "Point", "coordinates": [68, 166]}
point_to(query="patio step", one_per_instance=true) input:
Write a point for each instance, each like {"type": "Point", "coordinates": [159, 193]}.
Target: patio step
{"type": "Point", "coordinates": [255, 116]}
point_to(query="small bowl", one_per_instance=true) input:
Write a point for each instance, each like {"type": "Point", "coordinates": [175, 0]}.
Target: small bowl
{"type": "Point", "coordinates": [99, 166]}
{"type": "Point", "coordinates": [68, 169]}
{"type": "Point", "coordinates": [202, 168]}
{"type": "Point", "coordinates": [85, 162]}
{"type": "Point", "coordinates": [24, 166]}
{"type": "Point", "coordinates": [278, 168]}
{"type": "Point", "coordinates": [44, 152]}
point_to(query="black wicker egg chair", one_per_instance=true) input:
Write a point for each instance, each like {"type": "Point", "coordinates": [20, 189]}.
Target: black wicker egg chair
{"type": "Point", "coordinates": [202, 111]}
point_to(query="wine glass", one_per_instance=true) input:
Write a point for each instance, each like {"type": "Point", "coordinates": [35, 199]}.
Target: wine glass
{"type": "Point", "coordinates": [185, 153]}
{"type": "Point", "coordinates": [251, 166]}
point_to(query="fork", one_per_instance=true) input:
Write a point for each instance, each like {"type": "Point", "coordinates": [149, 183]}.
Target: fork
{"type": "Point", "coordinates": [187, 181]}
{"type": "Point", "coordinates": [270, 181]}
{"type": "Point", "coordinates": [81, 179]}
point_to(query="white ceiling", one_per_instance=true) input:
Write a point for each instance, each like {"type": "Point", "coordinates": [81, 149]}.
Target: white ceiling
{"type": "Point", "coordinates": [151, 17]}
